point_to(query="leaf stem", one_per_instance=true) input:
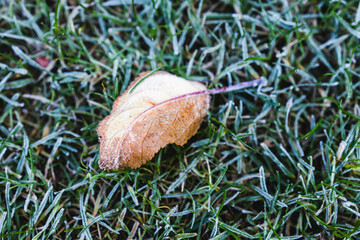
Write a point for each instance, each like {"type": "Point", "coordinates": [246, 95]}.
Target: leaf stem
{"type": "Point", "coordinates": [253, 83]}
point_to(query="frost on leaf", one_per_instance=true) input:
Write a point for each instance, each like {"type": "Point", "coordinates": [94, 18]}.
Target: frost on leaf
{"type": "Point", "coordinates": [158, 111]}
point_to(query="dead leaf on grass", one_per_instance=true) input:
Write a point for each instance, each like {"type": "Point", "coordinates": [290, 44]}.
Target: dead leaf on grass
{"type": "Point", "coordinates": [155, 110]}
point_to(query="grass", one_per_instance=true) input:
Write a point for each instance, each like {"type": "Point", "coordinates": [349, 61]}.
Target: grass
{"type": "Point", "coordinates": [299, 179]}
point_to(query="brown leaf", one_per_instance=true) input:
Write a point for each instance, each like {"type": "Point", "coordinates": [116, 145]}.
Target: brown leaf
{"type": "Point", "coordinates": [157, 111]}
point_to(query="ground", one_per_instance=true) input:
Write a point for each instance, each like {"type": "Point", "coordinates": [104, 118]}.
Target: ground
{"type": "Point", "coordinates": [280, 162]}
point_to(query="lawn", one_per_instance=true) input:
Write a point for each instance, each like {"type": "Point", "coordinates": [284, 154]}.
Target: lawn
{"type": "Point", "coordinates": [277, 162]}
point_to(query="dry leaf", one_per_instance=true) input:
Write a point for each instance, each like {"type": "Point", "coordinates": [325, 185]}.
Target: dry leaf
{"type": "Point", "coordinates": [42, 61]}
{"type": "Point", "coordinates": [153, 112]}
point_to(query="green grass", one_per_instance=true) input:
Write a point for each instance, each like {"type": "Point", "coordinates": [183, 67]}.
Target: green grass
{"type": "Point", "coordinates": [300, 181]}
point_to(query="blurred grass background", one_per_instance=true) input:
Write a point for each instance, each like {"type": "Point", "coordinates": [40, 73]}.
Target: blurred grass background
{"type": "Point", "coordinates": [62, 64]}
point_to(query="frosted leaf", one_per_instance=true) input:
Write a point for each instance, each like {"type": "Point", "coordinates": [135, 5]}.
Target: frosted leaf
{"type": "Point", "coordinates": [160, 110]}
